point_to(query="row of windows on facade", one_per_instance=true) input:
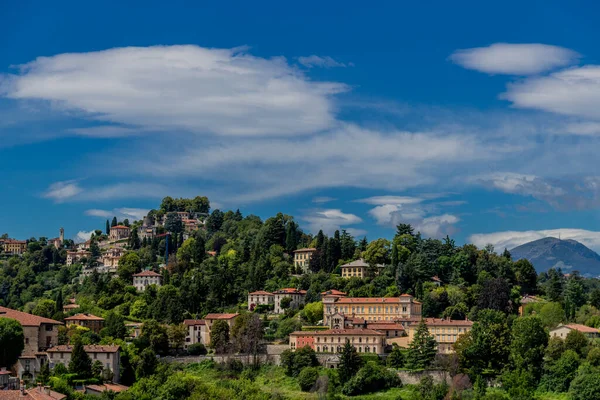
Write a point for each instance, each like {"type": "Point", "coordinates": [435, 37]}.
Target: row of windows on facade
{"type": "Point", "coordinates": [62, 355]}
{"type": "Point", "coordinates": [339, 349]}
{"type": "Point", "coordinates": [386, 310]}
{"type": "Point", "coordinates": [339, 340]}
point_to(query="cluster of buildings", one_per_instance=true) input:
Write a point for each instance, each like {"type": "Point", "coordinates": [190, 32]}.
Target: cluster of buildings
{"type": "Point", "coordinates": [355, 269]}
{"type": "Point", "coordinates": [41, 344]}
{"type": "Point", "coordinates": [191, 222]}
{"type": "Point", "coordinates": [199, 329]}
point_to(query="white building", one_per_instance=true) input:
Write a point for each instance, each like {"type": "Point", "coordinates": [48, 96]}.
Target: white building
{"type": "Point", "coordinates": [108, 355]}
{"type": "Point", "coordinates": [146, 278]}
{"type": "Point", "coordinates": [296, 295]}
{"type": "Point", "coordinates": [258, 298]}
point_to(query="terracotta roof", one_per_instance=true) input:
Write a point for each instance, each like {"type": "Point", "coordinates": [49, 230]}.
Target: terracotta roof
{"type": "Point", "coordinates": [289, 291]}
{"type": "Point", "coordinates": [71, 306]}
{"type": "Point", "coordinates": [26, 319]}
{"type": "Point", "coordinates": [93, 348]}
{"type": "Point", "coordinates": [333, 292]}
{"type": "Point", "coordinates": [41, 394]}
{"type": "Point", "coordinates": [356, 320]}
{"type": "Point", "coordinates": [114, 387]}
{"type": "Point", "coordinates": [120, 227]}
{"type": "Point", "coordinates": [193, 322]}
{"type": "Point", "coordinates": [84, 317]}
{"type": "Point", "coordinates": [582, 328]}
{"type": "Point", "coordinates": [262, 292]}
{"type": "Point", "coordinates": [310, 249]}
{"type": "Point", "coordinates": [349, 332]}
{"type": "Point", "coordinates": [530, 299]}
{"type": "Point", "coordinates": [385, 326]}
{"type": "Point", "coordinates": [14, 241]}
{"type": "Point", "coordinates": [436, 279]}
{"type": "Point", "coordinates": [221, 316]}
{"type": "Point", "coordinates": [147, 273]}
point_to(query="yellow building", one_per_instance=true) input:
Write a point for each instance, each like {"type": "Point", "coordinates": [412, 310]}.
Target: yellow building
{"type": "Point", "coordinates": [333, 340]}
{"type": "Point", "coordinates": [13, 247]}
{"type": "Point", "coordinates": [372, 308]}
{"type": "Point", "coordinates": [302, 258]}
{"type": "Point", "coordinates": [445, 331]}
{"type": "Point", "coordinates": [359, 269]}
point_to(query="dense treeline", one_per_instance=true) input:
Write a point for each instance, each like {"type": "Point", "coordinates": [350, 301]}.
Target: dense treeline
{"type": "Point", "coordinates": [252, 254]}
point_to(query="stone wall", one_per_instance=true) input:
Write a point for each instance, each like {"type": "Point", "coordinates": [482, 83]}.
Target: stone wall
{"type": "Point", "coordinates": [413, 378]}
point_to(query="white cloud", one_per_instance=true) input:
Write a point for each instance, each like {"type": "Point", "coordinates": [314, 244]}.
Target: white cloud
{"type": "Point", "coordinates": [514, 59]}
{"type": "Point", "coordinates": [438, 225]}
{"type": "Point", "coordinates": [322, 62]}
{"type": "Point", "coordinates": [188, 88]}
{"type": "Point", "coordinates": [529, 185]}
{"type": "Point", "coordinates": [512, 239]}
{"type": "Point", "coordinates": [387, 200]}
{"type": "Point", "coordinates": [323, 199]}
{"type": "Point", "coordinates": [63, 191]}
{"type": "Point", "coordinates": [330, 220]}
{"type": "Point", "coordinates": [120, 213]}
{"type": "Point", "coordinates": [573, 92]}
{"type": "Point", "coordinates": [82, 236]}
{"type": "Point", "coordinates": [108, 131]}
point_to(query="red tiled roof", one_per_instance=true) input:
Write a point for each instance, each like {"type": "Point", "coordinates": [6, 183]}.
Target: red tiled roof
{"type": "Point", "coordinates": [262, 292]}
{"type": "Point", "coordinates": [349, 332]}
{"type": "Point", "coordinates": [193, 322]}
{"type": "Point", "coordinates": [120, 227]}
{"type": "Point", "coordinates": [290, 291]}
{"type": "Point", "coordinates": [310, 249]}
{"type": "Point", "coordinates": [220, 316]}
{"type": "Point", "coordinates": [26, 319]}
{"type": "Point", "coordinates": [71, 306]}
{"type": "Point", "coordinates": [452, 322]}
{"type": "Point", "coordinates": [385, 326]}
{"type": "Point", "coordinates": [147, 273]}
{"type": "Point", "coordinates": [14, 241]}
{"type": "Point", "coordinates": [40, 394]}
{"type": "Point", "coordinates": [436, 279]}
{"type": "Point", "coordinates": [114, 387]}
{"type": "Point", "coordinates": [93, 348]}
{"type": "Point", "coordinates": [84, 317]}
{"type": "Point", "coordinates": [333, 292]}
{"type": "Point", "coordinates": [583, 328]}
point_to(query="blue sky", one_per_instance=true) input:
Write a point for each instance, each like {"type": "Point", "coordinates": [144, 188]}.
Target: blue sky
{"type": "Point", "coordinates": [478, 121]}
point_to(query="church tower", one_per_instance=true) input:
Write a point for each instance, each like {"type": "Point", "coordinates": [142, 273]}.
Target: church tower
{"type": "Point", "coordinates": [62, 235]}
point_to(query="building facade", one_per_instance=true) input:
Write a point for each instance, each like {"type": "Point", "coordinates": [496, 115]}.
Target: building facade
{"type": "Point", "coordinates": [119, 232]}
{"type": "Point", "coordinates": [13, 246]}
{"type": "Point", "coordinates": [445, 332]}
{"type": "Point", "coordinates": [333, 340]}
{"type": "Point", "coordinates": [563, 330]}
{"type": "Point", "coordinates": [110, 258]}
{"type": "Point", "coordinates": [39, 334]}
{"type": "Point", "coordinates": [260, 298]}
{"type": "Point", "coordinates": [144, 279]}
{"type": "Point", "coordinates": [296, 295]}
{"type": "Point", "coordinates": [73, 257]}
{"type": "Point", "coordinates": [196, 332]}
{"type": "Point", "coordinates": [302, 258]}
{"type": "Point", "coordinates": [109, 355]}
{"type": "Point", "coordinates": [372, 308]}
{"type": "Point", "coordinates": [359, 269]}
{"type": "Point", "coordinates": [210, 319]}
{"type": "Point", "coordinates": [89, 321]}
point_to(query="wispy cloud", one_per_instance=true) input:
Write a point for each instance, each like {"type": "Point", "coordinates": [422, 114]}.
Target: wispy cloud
{"type": "Point", "coordinates": [82, 236]}
{"type": "Point", "coordinates": [515, 59]}
{"type": "Point", "coordinates": [120, 213]}
{"type": "Point", "coordinates": [323, 199]}
{"type": "Point", "coordinates": [330, 220]}
{"type": "Point", "coordinates": [189, 88]}
{"type": "Point", "coordinates": [107, 131]}
{"type": "Point", "coordinates": [322, 62]}
{"type": "Point", "coordinates": [512, 239]}
{"type": "Point", "coordinates": [63, 191]}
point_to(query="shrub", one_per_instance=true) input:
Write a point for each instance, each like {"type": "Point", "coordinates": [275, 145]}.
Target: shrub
{"type": "Point", "coordinates": [594, 357]}
{"type": "Point", "coordinates": [197, 349]}
{"type": "Point", "coordinates": [371, 378]}
{"type": "Point", "coordinates": [396, 358]}
{"type": "Point", "coordinates": [307, 378]}
{"type": "Point", "coordinates": [428, 390]}
{"type": "Point", "coordinates": [586, 386]}
{"type": "Point", "coordinates": [294, 362]}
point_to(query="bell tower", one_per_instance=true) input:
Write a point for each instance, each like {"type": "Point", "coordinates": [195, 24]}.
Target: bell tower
{"type": "Point", "coordinates": [62, 235]}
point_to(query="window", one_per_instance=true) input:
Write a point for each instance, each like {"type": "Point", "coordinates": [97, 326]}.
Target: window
{"type": "Point", "coordinates": [62, 355]}
{"type": "Point", "coordinates": [49, 328]}
{"type": "Point", "coordinates": [95, 356]}
{"type": "Point", "coordinates": [26, 340]}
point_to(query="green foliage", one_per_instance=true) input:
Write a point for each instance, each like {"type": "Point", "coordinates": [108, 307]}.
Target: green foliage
{"type": "Point", "coordinates": [288, 326]}
{"type": "Point", "coordinates": [552, 314]}
{"type": "Point", "coordinates": [396, 358]}
{"type": "Point", "coordinates": [593, 357]}
{"type": "Point", "coordinates": [307, 378]}
{"type": "Point", "coordinates": [156, 336]}
{"type": "Point", "coordinates": [371, 378]}
{"type": "Point", "coordinates": [294, 362]}
{"type": "Point", "coordinates": [428, 390]}
{"type": "Point", "coordinates": [197, 349]}
{"type": "Point", "coordinates": [586, 386]}
{"type": "Point", "coordinates": [422, 349]}
{"type": "Point", "coordinates": [313, 312]}
{"type": "Point", "coordinates": [45, 308]}
{"type": "Point", "coordinates": [577, 341]}
{"type": "Point", "coordinates": [129, 264]}
{"type": "Point", "coordinates": [80, 363]}
{"type": "Point", "coordinates": [114, 326]}
{"type": "Point", "coordinates": [147, 364]}
{"type": "Point", "coordinates": [219, 337]}
{"type": "Point", "coordinates": [559, 375]}
{"type": "Point", "coordinates": [350, 363]}
{"type": "Point", "coordinates": [529, 341]}
{"type": "Point", "coordinates": [12, 342]}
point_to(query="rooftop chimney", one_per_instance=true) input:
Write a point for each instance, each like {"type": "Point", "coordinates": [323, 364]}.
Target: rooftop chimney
{"type": "Point", "coordinates": [22, 386]}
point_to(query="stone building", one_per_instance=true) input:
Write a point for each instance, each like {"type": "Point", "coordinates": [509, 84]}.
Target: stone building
{"type": "Point", "coordinates": [73, 257]}
{"type": "Point", "coordinates": [372, 308]}
{"type": "Point", "coordinates": [333, 340]}
{"type": "Point", "coordinates": [296, 295]}
{"type": "Point", "coordinates": [144, 279]}
{"type": "Point", "coordinates": [119, 232]}
{"type": "Point", "coordinates": [302, 258]}
{"type": "Point", "coordinates": [40, 334]}
{"type": "Point", "coordinates": [109, 355]}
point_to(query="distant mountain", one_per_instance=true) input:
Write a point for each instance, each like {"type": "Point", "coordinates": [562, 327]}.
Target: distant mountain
{"type": "Point", "coordinates": [550, 252]}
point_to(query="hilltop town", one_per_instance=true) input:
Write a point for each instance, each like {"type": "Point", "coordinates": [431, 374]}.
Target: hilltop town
{"type": "Point", "coordinates": [188, 298]}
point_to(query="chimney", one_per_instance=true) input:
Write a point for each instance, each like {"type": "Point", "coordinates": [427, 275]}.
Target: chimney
{"type": "Point", "coordinates": [47, 390]}
{"type": "Point", "coordinates": [22, 386]}
{"type": "Point", "coordinates": [39, 387]}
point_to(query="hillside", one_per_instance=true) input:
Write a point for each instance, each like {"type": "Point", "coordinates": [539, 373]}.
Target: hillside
{"type": "Point", "coordinates": [551, 252]}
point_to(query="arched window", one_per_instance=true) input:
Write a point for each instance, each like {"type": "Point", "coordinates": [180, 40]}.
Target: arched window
{"type": "Point", "coordinates": [324, 349]}
{"type": "Point", "coordinates": [367, 349]}
{"type": "Point", "coordinates": [318, 349]}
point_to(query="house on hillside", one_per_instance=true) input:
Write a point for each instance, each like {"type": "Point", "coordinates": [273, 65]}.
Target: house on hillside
{"type": "Point", "coordinates": [144, 279]}
{"type": "Point", "coordinates": [563, 330]}
{"type": "Point", "coordinates": [119, 232]}
{"type": "Point", "coordinates": [108, 355]}
{"type": "Point", "coordinates": [359, 269]}
{"type": "Point", "coordinates": [89, 321]}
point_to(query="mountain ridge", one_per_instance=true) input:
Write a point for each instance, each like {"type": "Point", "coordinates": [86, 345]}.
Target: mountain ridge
{"type": "Point", "coordinates": [550, 252]}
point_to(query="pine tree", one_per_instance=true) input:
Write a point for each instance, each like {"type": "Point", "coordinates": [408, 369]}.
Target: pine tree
{"type": "Point", "coordinates": [362, 245]}
{"type": "Point", "coordinates": [114, 222]}
{"type": "Point", "coordinates": [350, 363]}
{"type": "Point", "coordinates": [80, 363]}
{"type": "Point", "coordinates": [422, 349]}
{"type": "Point", "coordinates": [320, 240]}
{"type": "Point", "coordinates": [59, 300]}
{"type": "Point", "coordinates": [291, 236]}
{"type": "Point", "coordinates": [107, 227]}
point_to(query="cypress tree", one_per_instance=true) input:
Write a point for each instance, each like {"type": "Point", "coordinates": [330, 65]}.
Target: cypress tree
{"type": "Point", "coordinates": [422, 349]}
{"type": "Point", "coordinates": [114, 222]}
{"type": "Point", "coordinates": [350, 363]}
{"type": "Point", "coordinates": [107, 227]}
{"type": "Point", "coordinates": [80, 363]}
